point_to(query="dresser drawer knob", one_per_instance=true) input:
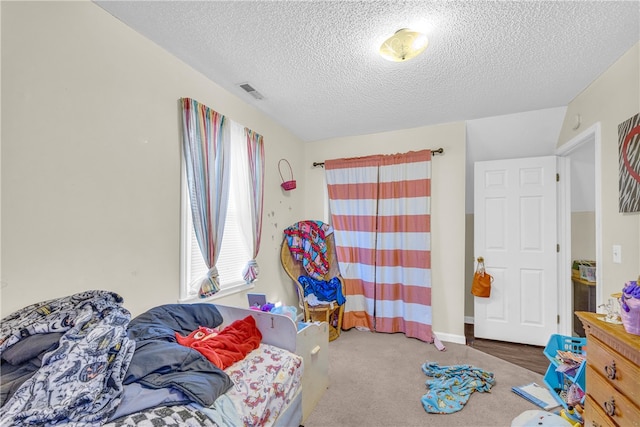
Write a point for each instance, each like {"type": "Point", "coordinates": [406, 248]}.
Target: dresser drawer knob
{"type": "Point", "coordinates": [610, 407]}
{"type": "Point", "coordinates": [610, 370]}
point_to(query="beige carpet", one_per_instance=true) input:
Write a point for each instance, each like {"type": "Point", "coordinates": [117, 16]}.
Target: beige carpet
{"type": "Point", "coordinates": [377, 380]}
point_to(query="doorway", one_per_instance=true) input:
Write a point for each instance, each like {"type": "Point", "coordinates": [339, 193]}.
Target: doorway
{"type": "Point", "coordinates": [578, 207]}
{"type": "Point", "coordinates": [516, 231]}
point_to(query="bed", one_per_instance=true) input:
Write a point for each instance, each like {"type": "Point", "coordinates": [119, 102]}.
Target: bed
{"type": "Point", "coordinates": [82, 360]}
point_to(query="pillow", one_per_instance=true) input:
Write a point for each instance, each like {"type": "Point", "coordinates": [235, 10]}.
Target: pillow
{"type": "Point", "coordinates": [31, 346]}
{"type": "Point", "coordinates": [164, 321]}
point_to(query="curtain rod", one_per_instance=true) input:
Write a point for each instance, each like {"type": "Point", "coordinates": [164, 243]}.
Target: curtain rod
{"type": "Point", "coordinates": [434, 152]}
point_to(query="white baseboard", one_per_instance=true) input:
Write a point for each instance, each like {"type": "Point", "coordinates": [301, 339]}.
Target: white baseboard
{"type": "Point", "coordinates": [468, 319]}
{"type": "Point", "coordinates": [456, 339]}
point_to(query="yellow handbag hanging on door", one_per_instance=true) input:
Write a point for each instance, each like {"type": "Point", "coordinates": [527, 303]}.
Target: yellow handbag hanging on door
{"type": "Point", "coordinates": [481, 285]}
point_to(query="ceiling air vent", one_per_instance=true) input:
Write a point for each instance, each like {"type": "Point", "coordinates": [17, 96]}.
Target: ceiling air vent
{"type": "Point", "coordinates": [251, 91]}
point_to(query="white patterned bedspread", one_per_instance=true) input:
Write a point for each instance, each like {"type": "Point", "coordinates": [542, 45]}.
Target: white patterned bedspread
{"type": "Point", "coordinates": [265, 382]}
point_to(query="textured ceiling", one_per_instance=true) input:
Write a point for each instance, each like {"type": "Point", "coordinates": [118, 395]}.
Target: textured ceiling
{"type": "Point", "coordinates": [317, 67]}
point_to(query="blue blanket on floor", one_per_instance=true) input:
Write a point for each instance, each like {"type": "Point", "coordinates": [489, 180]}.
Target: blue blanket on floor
{"type": "Point", "coordinates": [451, 386]}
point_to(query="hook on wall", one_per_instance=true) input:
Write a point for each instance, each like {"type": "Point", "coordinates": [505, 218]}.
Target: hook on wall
{"type": "Point", "coordinates": [578, 122]}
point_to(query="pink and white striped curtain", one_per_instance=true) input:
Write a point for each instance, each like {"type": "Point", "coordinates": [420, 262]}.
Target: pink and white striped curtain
{"type": "Point", "coordinates": [380, 209]}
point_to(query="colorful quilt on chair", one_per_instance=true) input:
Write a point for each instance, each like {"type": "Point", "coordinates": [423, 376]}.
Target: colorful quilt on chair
{"type": "Point", "coordinates": [306, 240]}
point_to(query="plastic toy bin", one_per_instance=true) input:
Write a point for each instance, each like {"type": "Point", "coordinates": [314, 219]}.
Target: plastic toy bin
{"type": "Point", "coordinates": [563, 343]}
{"type": "Point", "coordinates": [559, 382]}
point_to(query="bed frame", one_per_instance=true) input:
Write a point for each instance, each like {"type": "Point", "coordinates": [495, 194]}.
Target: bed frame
{"type": "Point", "coordinates": [310, 342]}
{"type": "Point", "coordinates": [276, 329]}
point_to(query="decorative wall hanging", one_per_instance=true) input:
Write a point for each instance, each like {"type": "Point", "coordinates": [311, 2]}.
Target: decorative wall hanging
{"type": "Point", "coordinates": [629, 164]}
{"type": "Point", "coordinates": [290, 184]}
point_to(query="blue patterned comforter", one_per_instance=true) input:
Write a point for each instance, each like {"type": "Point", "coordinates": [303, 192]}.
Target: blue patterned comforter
{"type": "Point", "coordinates": [80, 381]}
{"type": "Point", "coordinates": [82, 361]}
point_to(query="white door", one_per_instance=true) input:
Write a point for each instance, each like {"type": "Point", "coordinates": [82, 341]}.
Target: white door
{"type": "Point", "coordinates": [516, 233]}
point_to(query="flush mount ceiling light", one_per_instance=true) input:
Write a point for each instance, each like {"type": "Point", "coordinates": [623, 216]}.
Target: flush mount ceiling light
{"type": "Point", "coordinates": [403, 45]}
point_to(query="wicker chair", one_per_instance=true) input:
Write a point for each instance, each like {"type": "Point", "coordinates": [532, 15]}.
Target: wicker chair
{"type": "Point", "coordinates": [330, 313]}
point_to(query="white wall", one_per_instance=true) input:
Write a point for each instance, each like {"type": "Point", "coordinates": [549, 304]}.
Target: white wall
{"type": "Point", "coordinates": [511, 136]}
{"type": "Point", "coordinates": [583, 235]}
{"type": "Point", "coordinates": [91, 160]}
{"type": "Point", "coordinates": [610, 100]}
{"type": "Point", "coordinates": [518, 135]}
{"type": "Point", "coordinates": [447, 219]}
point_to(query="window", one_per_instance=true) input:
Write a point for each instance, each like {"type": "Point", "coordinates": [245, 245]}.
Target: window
{"type": "Point", "coordinates": [234, 251]}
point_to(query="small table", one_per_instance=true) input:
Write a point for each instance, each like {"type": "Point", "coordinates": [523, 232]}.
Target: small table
{"type": "Point", "coordinates": [329, 313]}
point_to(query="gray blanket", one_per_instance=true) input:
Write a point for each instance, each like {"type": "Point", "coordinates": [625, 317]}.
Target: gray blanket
{"type": "Point", "coordinates": [159, 361]}
{"type": "Point", "coordinates": [163, 373]}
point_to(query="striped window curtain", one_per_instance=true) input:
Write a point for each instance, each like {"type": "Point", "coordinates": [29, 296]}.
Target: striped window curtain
{"type": "Point", "coordinates": [380, 208]}
{"type": "Point", "coordinates": [206, 147]}
{"type": "Point", "coordinates": [252, 214]}
{"type": "Point", "coordinates": [353, 200]}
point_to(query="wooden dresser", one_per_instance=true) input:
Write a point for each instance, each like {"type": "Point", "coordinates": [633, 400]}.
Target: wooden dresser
{"type": "Point", "coordinates": [613, 374]}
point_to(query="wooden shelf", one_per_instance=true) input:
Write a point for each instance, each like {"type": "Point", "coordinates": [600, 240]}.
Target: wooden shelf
{"type": "Point", "coordinates": [583, 281]}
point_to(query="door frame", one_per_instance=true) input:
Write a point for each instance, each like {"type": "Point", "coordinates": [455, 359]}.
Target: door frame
{"type": "Point", "coordinates": [501, 325]}
{"type": "Point", "coordinates": [593, 133]}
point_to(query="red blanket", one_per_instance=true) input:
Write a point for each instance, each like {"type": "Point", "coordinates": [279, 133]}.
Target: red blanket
{"type": "Point", "coordinates": [233, 343]}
